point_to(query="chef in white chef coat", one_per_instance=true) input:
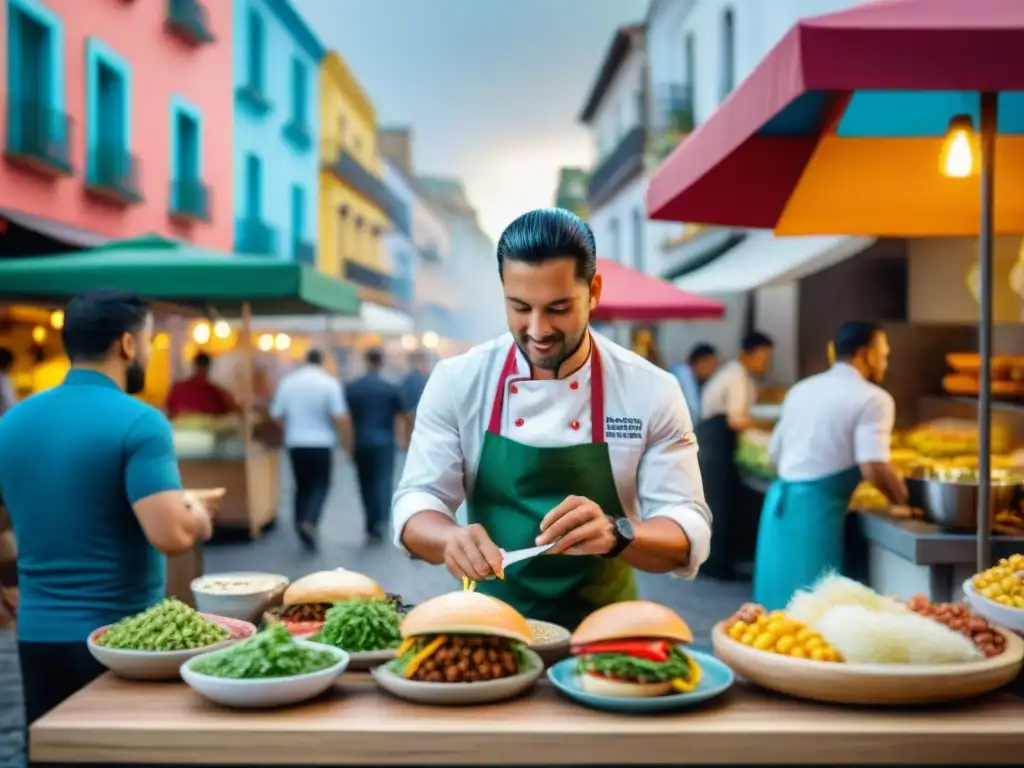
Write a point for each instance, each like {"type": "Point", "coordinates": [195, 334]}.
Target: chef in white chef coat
{"type": "Point", "coordinates": [835, 430]}
{"type": "Point", "coordinates": [726, 402]}
{"type": "Point", "coordinates": [553, 433]}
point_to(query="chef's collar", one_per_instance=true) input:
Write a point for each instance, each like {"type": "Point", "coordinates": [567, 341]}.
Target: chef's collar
{"type": "Point", "coordinates": [525, 370]}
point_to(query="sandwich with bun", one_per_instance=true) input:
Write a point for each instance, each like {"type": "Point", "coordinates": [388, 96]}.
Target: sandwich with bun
{"type": "Point", "coordinates": [632, 650]}
{"type": "Point", "coordinates": [306, 601]}
{"type": "Point", "coordinates": [463, 637]}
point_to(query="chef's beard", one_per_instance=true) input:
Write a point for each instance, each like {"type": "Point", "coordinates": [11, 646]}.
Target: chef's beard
{"type": "Point", "coordinates": [567, 347]}
{"type": "Point", "coordinates": [134, 378]}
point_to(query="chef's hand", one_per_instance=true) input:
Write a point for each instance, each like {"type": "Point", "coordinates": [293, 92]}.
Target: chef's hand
{"type": "Point", "coordinates": [211, 499]}
{"type": "Point", "coordinates": [582, 527]}
{"type": "Point", "coordinates": [906, 512]}
{"type": "Point", "coordinates": [470, 553]}
{"type": "Point", "coordinates": [194, 505]}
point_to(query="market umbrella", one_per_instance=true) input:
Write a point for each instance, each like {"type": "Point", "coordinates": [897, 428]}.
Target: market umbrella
{"type": "Point", "coordinates": [164, 270]}
{"type": "Point", "coordinates": [863, 122]}
{"type": "Point", "coordinates": [631, 295]}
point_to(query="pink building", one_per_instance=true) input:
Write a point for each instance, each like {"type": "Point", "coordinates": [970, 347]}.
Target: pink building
{"type": "Point", "coordinates": [117, 121]}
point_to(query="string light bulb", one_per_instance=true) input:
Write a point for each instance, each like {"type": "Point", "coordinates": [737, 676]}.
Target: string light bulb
{"type": "Point", "coordinates": [959, 156]}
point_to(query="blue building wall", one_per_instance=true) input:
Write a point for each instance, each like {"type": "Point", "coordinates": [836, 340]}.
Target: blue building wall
{"type": "Point", "coordinates": [264, 127]}
{"type": "Point", "coordinates": [402, 252]}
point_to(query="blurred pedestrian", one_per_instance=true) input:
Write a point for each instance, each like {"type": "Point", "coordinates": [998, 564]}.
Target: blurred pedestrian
{"type": "Point", "coordinates": [694, 374]}
{"type": "Point", "coordinates": [415, 380]}
{"type": "Point", "coordinates": [310, 405]}
{"type": "Point", "coordinates": [8, 396]}
{"type": "Point", "coordinates": [198, 394]}
{"type": "Point", "coordinates": [378, 415]}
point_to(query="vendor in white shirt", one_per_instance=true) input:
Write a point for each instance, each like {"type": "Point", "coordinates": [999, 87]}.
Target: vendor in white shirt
{"type": "Point", "coordinates": [834, 431]}
{"type": "Point", "coordinates": [726, 402]}
{"type": "Point", "coordinates": [553, 433]}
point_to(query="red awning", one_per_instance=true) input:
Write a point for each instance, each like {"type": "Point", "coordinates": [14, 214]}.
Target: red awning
{"type": "Point", "coordinates": [728, 167]}
{"type": "Point", "coordinates": [631, 295]}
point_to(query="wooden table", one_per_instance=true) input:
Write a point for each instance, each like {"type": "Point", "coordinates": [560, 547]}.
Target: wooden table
{"type": "Point", "coordinates": [113, 721]}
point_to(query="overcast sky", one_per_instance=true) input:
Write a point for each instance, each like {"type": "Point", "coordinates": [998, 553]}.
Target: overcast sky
{"type": "Point", "coordinates": [492, 88]}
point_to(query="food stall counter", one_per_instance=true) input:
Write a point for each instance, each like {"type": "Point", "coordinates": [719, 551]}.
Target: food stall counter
{"type": "Point", "coordinates": [117, 722]}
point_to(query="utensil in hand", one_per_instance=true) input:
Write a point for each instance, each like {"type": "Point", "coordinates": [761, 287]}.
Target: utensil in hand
{"type": "Point", "coordinates": [517, 556]}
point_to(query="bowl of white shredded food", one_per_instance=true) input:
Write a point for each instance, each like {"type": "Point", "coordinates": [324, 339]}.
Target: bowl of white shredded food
{"type": "Point", "coordinates": [550, 641]}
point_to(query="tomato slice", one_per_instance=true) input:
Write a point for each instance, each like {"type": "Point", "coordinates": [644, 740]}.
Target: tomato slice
{"type": "Point", "coordinates": [652, 650]}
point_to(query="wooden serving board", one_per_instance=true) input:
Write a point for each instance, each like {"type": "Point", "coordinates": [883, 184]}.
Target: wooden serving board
{"type": "Point", "coordinates": [870, 684]}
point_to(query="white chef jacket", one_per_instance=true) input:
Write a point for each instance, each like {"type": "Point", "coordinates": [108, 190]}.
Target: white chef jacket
{"type": "Point", "coordinates": [830, 422]}
{"type": "Point", "coordinates": [648, 431]}
{"type": "Point", "coordinates": [730, 392]}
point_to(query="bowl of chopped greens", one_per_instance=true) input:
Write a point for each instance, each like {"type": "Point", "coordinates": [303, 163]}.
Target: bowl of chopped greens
{"type": "Point", "coordinates": [369, 629]}
{"type": "Point", "coordinates": [153, 644]}
{"type": "Point", "coordinates": [270, 669]}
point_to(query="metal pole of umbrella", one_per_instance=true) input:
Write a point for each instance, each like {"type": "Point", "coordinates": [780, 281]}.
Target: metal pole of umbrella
{"type": "Point", "coordinates": [989, 118]}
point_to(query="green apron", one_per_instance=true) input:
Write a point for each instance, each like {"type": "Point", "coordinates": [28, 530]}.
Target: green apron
{"type": "Point", "coordinates": [517, 485]}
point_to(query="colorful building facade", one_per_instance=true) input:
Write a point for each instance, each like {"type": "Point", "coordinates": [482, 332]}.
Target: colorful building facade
{"type": "Point", "coordinates": [114, 122]}
{"type": "Point", "coordinates": [276, 104]}
{"type": "Point", "coordinates": [356, 207]}
{"type": "Point", "coordinates": [571, 192]}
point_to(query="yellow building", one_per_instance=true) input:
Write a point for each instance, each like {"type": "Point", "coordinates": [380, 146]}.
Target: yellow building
{"type": "Point", "coordinates": [356, 207]}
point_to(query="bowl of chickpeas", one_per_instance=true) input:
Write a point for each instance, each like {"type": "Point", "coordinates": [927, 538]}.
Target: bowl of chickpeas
{"type": "Point", "coordinates": [998, 593]}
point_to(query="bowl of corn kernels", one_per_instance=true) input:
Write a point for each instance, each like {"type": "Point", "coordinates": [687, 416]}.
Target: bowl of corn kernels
{"type": "Point", "coordinates": [998, 593]}
{"type": "Point", "coordinates": [777, 633]}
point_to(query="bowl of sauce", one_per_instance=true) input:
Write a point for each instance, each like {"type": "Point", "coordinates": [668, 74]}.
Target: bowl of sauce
{"type": "Point", "coordinates": [243, 595]}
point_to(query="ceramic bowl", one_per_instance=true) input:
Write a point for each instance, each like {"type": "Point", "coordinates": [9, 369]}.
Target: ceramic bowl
{"type": "Point", "coordinates": [459, 694]}
{"type": "Point", "coordinates": [554, 650]}
{"type": "Point", "coordinates": [998, 614]}
{"type": "Point", "coordinates": [716, 680]}
{"type": "Point", "coordinates": [161, 665]}
{"type": "Point", "coordinates": [359, 661]}
{"type": "Point", "coordinates": [245, 604]}
{"type": "Point", "coordinates": [268, 692]}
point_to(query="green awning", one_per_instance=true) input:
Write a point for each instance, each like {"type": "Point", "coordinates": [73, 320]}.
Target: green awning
{"type": "Point", "coordinates": [176, 273]}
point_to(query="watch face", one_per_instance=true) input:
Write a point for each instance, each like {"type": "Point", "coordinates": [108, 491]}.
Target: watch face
{"type": "Point", "coordinates": [625, 527]}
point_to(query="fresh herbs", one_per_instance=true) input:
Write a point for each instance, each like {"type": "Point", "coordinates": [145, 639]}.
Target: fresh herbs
{"type": "Point", "coordinates": [168, 626]}
{"type": "Point", "coordinates": [271, 653]}
{"type": "Point", "coordinates": [362, 625]}
{"type": "Point", "coordinates": [638, 670]}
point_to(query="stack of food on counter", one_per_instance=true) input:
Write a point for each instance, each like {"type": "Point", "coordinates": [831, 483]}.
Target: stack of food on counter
{"type": "Point", "coordinates": [198, 434]}
{"type": "Point", "coordinates": [965, 379]}
{"type": "Point", "coordinates": [842, 622]}
{"type": "Point", "coordinates": [306, 601]}
{"type": "Point", "coordinates": [752, 453]}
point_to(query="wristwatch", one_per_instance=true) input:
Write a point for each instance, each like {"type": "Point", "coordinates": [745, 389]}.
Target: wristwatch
{"type": "Point", "coordinates": [624, 535]}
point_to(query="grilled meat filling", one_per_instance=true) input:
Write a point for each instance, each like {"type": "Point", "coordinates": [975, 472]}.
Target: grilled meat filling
{"type": "Point", "coordinates": [459, 659]}
{"type": "Point", "coordinates": [301, 613]}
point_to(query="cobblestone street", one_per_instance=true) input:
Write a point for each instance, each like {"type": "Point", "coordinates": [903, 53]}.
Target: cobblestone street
{"type": "Point", "coordinates": [702, 603]}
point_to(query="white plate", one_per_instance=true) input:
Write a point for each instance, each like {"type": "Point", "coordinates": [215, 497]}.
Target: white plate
{"type": "Point", "coordinates": [162, 665]}
{"type": "Point", "coordinates": [1000, 615]}
{"type": "Point", "coordinates": [364, 660]}
{"type": "Point", "coordinates": [267, 691]}
{"type": "Point", "coordinates": [458, 694]}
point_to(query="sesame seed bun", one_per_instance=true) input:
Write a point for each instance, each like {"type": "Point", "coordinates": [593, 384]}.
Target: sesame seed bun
{"type": "Point", "coordinates": [331, 587]}
{"type": "Point", "coordinates": [467, 613]}
{"type": "Point", "coordinates": [630, 620]}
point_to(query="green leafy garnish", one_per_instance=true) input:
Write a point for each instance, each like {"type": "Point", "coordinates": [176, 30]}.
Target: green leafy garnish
{"type": "Point", "coordinates": [623, 667]}
{"type": "Point", "coordinates": [362, 625]}
{"type": "Point", "coordinates": [271, 653]}
{"type": "Point", "coordinates": [170, 625]}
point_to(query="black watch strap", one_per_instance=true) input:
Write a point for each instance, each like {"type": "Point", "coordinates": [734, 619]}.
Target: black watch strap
{"type": "Point", "coordinates": [623, 535]}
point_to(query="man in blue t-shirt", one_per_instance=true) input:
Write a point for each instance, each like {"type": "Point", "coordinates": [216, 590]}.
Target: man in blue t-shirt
{"type": "Point", "coordinates": [90, 480]}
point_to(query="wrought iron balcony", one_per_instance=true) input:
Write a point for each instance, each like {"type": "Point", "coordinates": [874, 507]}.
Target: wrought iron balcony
{"type": "Point", "coordinates": [347, 167]}
{"type": "Point", "coordinates": [114, 174]}
{"type": "Point", "coordinates": [254, 236]}
{"type": "Point", "coordinates": [673, 120]}
{"type": "Point", "coordinates": [188, 20]}
{"type": "Point", "coordinates": [367, 277]}
{"type": "Point", "coordinates": [38, 137]}
{"type": "Point", "coordinates": [190, 200]}
{"type": "Point", "coordinates": [298, 134]}
{"type": "Point", "coordinates": [619, 168]}
{"type": "Point", "coordinates": [304, 252]}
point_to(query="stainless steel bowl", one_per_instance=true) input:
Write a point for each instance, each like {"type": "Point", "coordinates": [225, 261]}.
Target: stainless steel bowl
{"type": "Point", "coordinates": [954, 505]}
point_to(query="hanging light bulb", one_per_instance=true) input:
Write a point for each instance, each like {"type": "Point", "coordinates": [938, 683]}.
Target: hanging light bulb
{"type": "Point", "coordinates": [39, 334]}
{"type": "Point", "coordinates": [266, 342]}
{"type": "Point", "coordinates": [958, 158]}
{"type": "Point", "coordinates": [57, 320]}
{"type": "Point", "coordinates": [221, 329]}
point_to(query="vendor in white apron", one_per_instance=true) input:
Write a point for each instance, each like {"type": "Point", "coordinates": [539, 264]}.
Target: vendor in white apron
{"type": "Point", "coordinates": [834, 431]}
{"type": "Point", "coordinates": [726, 401]}
{"type": "Point", "coordinates": [552, 433]}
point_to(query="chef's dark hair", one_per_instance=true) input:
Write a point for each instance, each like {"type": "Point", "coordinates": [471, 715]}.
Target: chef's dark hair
{"type": "Point", "coordinates": [854, 336]}
{"type": "Point", "coordinates": [701, 351]}
{"type": "Point", "coordinates": [95, 321]}
{"type": "Point", "coordinates": [755, 340]}
{"type": "Point", "coordinates": [550, 233]}
{"type": "Point", "coordinates": [202, 361]}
